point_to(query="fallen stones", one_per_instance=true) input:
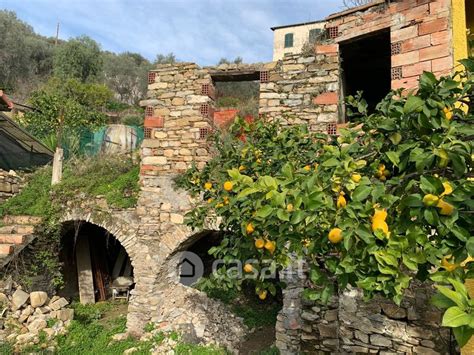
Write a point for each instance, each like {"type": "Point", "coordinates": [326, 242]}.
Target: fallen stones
{"type": "Point", "coordinates": [38, 298]}
{"type": "Point", "coordinates": [19, 298]}
{"type": "Point", "coordinates": [26, 315]}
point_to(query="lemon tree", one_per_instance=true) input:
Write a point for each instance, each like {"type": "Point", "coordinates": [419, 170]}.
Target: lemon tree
{"type": "Point", "coordinates": [376, 207]}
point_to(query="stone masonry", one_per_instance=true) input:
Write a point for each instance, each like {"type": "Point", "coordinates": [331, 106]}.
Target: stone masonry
{"type": "Point", "coordinates": [349, 324]}
{"type": "Point", "coordinates": [10, 184]}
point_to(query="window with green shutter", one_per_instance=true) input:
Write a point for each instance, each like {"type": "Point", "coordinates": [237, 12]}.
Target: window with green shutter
{"type": "Point", "coordinates": [314, 34]}
{"type": "Point", "coordinates": [289, 40]}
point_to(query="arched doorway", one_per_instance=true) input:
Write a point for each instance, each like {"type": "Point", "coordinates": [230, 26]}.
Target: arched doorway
{"type": "Point", "coordinates": [96, 266]}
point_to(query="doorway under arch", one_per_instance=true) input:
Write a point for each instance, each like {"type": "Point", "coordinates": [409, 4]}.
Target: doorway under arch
{"type": "Point", "coordinates": [96, 266]}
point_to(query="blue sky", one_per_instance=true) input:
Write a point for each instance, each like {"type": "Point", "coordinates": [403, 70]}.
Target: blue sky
{"type": "Point", "coordinates": [201, 31]}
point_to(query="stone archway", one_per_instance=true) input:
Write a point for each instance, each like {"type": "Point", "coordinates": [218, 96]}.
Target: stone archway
{"type": "Point", "coordinates": [124, 227]}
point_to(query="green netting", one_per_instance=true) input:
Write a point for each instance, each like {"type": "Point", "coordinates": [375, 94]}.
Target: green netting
{"type": "Point", "coordinates": [92, 142]}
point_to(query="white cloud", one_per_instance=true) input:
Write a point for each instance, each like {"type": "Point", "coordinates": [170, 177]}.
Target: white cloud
{"type": "Point", "coordinates": [201, 31]}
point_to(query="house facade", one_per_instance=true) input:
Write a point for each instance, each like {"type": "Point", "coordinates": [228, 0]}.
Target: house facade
{"type": "Point", "coordinates": [291, 39]}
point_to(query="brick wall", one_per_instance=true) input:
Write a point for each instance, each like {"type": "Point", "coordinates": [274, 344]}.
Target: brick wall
{"type": "Point", "coordinates": [420, 32]}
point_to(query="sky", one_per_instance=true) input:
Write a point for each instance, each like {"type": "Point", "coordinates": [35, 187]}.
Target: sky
{"type": "Point", "coordinates": [200, 31]}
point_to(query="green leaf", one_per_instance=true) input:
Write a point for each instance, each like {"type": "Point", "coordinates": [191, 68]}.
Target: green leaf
{"type": "Point", "coordinates": [247, 191]}
{"type": "Point", "coordinates": [470, 246]}
{"type": "Point", "coordinates": [441, 301]}
{"type": "Point", "coordinates": [297, 217]}
{"type": "Point", "coordinates": [331, 162]}
{"type": "Point", "coordinates": [414, 200]}
{"type": "Point", "coordinates": [463, 334]}
{"type": "Point", "coordinates": [431, 216]}
{"type": "Point", "coordinates": [413, 103]}
{"type": "Point", "coordinates": [264, 212]}
{"type": "Point", "coordinates": [283, 215]}
{"type": "Point", "coordinates": [361, 193]}
{"type": "Point", "coordinates": [455, 317]}
{"type": "Point", "coordinates": [234, 173]}
{"type": "Point", "coordinates": [394, 157]}
{"type": "Point", "coordinates": [453, 296]}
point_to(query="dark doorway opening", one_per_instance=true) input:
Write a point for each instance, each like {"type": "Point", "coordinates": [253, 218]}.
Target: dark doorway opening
{"type": "Point", "coordinates": [96, 267]}
{"type": "Point", "coordinates": [366, 66]}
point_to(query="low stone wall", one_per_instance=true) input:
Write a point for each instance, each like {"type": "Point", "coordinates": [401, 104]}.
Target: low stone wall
{"type": "Point", "coordinates": [348, 324]}
{"type": "Point", "coordinates": [10, 184]}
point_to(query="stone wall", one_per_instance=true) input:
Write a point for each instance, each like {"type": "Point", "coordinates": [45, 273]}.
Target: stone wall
{"type": "Point", "coordinates": [420, 31]}
{"type": "Point", "coordinates": [10, 184]}
{"type": "Point", "coordinates": [176, 123]}
{"type": "Point", "coordinates": [303, 89]}
{"type": "Point", "coordinates": [348, 324]}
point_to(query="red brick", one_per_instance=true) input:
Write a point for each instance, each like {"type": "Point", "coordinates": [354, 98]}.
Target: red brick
{"type": "Point", "coordinates": [437, 7]}
{"type": "Point", "coordinates": [403, 5]}
{"type": "Point", "coordinates": [154, 122]}
{"type": "Point", "coordinates": [327, 49]}
{"type": "Point", "coordinates": [404, 33]}
{"type": "Point", "coordinates": [438, 25]}
{"type": "Point", "coordinates": [407, 83]}
{"type": "Point", "coordinates": [416, 13]}
{"type": "Point", "coordinates": [442, 64]}
{"type": "Point", "coordinates": [224, 118]}
{"type": "Point", "coordinates": [442, 37]}
{"type": "Point", "coordinates": [6, 249]}
{"type": "Point", "coordinates": [434, 52]}
{"type": "Point", "coordinates": [144, 168]}
{"type": "Point", "coordinates": [416, 69]}
{"type": "Point", "coordinates": [405, 58]}
{"type": "Point", "coordinates": [11, 238]}
{"type": "Point", "coordinates": [416, 43]}
{"type": "Point", "coordinates": [326, 98]}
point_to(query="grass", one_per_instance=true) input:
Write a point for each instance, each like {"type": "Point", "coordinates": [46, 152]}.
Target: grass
{"type": "Point", "coordinates": [91, 332]}
{"type": "Point", "coordinates": [113, 177]}
{"type": "Point", "coordinates": [245, 304]}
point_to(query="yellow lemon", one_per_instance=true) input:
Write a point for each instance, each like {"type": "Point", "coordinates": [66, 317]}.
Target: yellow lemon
{"type": "Point", "coordinates": [259, 161]}
{"type": "Point", "coordinates": [380, 224]}
{"type": "Point", "coordinates": [448, 189]}
{"type": "Point", "coordinates": [381, 167]}
{"type": "Point", "coordinates": [448, 113]}
{"type": "Point", "coordinates": [430, 200]}
{"type": "Point", "coordinates": [383, 178]}
{"type": "Point", "coordinates": [289, 207]}
{"type": "Point", "coordinates": [335, 235]}
{"type": "Point", "coordinates": [259, 243]}
{"type": "Point", "coordinates": [228, 185]}
{"type": "Point", "coordinates": [226, 200]}
{"type": "Point", "coordinates": [210, 200]}
{"type": "Point", "coordinates": [241, 168]}
{"type": "Point", "coordinates": [446, 209]}
{"type": "Point", "coordinates": [262, 294]}
{"type": "Point", "coordinates": [249, 229]}
{"type": "Point", "coordinates": [208, 186]}
{"type": "Point", "coordinates": [270, 246]}
{"type": "Point", "coordinates": [219, 205]}
{"type": "Point", "coordinates": [447, 265]}
{"type": "Point", "coordinates": [307, 168]}
{"type": "Point", "coordinates": [341, 201]}
{"type": "Point", "coordinates": [356, 178]}
{"type": "Point", "coordinates": [248, 268]}
{"type": "Point", "coordinates": [380, 215]}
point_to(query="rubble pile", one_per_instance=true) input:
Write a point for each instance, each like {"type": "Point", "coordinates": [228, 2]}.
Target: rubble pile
{"type": "Point", "coordinates": [25, 317]}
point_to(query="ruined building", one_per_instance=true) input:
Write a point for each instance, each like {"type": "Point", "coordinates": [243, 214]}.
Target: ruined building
{"type": "Point", "coordinates": [374, 48]}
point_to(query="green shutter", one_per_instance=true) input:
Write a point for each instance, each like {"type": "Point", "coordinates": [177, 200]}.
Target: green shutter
{"type": "Point", "coordinates": [289, 40]}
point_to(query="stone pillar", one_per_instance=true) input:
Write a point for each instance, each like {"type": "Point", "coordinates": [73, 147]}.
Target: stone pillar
{"type": "Point", "coordinates": [84, 271]}
{"type": "Point", "coordinates": [289, 322]}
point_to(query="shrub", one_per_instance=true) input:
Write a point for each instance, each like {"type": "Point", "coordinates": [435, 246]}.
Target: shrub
{"type": "Point", "coordinates": [374, 208]}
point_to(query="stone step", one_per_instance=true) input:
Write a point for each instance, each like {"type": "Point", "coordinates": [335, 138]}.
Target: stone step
{"type": "Point", "coordinates": [22, 220]}
{"type": "Point", "coordinates": [12, 238]}
{"type": "Point", "coordinates": [17, 228]}
{"type": "Point", "coordinates": [6, 249]}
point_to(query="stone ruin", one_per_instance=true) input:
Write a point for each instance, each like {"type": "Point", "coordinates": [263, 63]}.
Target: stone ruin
{"type": "Point", "coordinates": [298, 89]}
